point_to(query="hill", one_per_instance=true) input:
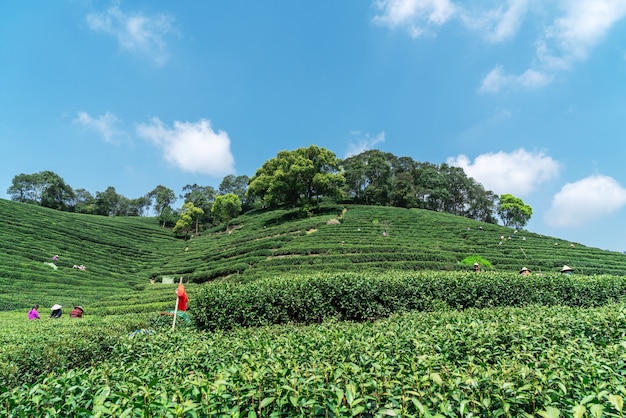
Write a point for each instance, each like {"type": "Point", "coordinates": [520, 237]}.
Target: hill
{"type": "Point", "coordinates": [301, 337]}
{"type": "Point", "coordinates": [122, 254]}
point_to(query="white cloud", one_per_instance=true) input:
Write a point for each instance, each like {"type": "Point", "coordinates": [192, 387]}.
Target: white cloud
{"type": "Point", "coordinates": [135, 32]}
{"type": "Point", "coordinates": [582, 26]}
{"type": "Point", "coordinates": [498, 24]}
{"type": "Point", "coordinates": [572, 30]}
{"type": "Point", "coordinates": [497, 80]}
{"type": "Point", "coordinates": [105, 125]}
{"type": "Point", "coordinates": [509, 21]}
{"type": "Point", "coordinates": [360, 143]}
{"type": "Point", "coordinates": [585, 200]}
{"type": "Point", "coordinates": [518, 173]}
{"type": "Point", "coordinates": [415, 15]}
{"type": "Point", "coordinates": [193, 147]}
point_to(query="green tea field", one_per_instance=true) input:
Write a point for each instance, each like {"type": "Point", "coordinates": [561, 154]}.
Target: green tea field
{"type": "Point", "coordinates": [341, 311]}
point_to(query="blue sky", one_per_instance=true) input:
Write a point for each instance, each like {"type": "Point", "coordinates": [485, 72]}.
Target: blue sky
{"type": "Point", "coordinates": [527, 96]}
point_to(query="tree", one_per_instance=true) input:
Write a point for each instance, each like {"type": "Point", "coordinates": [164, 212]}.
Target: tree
{"type": "Point", "coordinates": [141, 205]}
{"type": "Point", "coordinates": [55, 193]}
{"type": "Point", "coordinates": [513, 211]}
{"type": "Point", "coordinates": [202, 197]}
{"type": "Point", "coordinates": [107, 202]}
{"type": "Point", "coordinates": [23, 189]}
{"type": "Point", "coordinates": [234, 184]}
{"type": "Point", "coordinates": [369, 177]}
{"type": "Point", "coordinates": [226, 207]}
{"type": "Point", "coordinates": [296, 176]}
{"type": "Point", "coordinates": [188, 216]}
{"type": "Point", "coordinates": [482, 203]}
{"type": "Point", "coordinates": [83, 201]}
{"type": "Point", "coordinates": [163, 198]}
{"type": "Point", "coordinates": [45, 188]}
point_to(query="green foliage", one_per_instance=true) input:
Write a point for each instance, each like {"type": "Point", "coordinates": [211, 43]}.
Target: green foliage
{"type": "Point", "coordinates": [297, 176]}
{"type": "Point", "coordinates": [536, 361]}
{"type": "Point", "coordinates": [470, 260]}
{"type": "Point", "coordinates": [449, 343]}
{"type": "Point", "coordinates": [226, 207]}
{"type": "Point", "coordinates": [120, 252]}
{"type": "Point", "coordinates": [117, 252]}
{"type": "Point", "coordinates": [363, 296]}
{"type": "Point", "coordinates": [45, 188]}
{"type": "Point", "coordinates": [513, 211]}
{"type": "Point", "coordinates": [189, 216]}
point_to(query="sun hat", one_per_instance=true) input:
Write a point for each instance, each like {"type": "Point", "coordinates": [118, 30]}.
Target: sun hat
{"type": "Point", "coordinates": [524, 269]}
{"type": "Point", "coordinates": [566, 268]}
{"type": "Point", "coordinates": [79, 307]}
{"type": "Point", "coordinates": [55, 307]}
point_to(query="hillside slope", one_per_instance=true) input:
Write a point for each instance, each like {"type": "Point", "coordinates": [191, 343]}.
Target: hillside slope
{"type": "Point", "coordinates": [355, 238]}
{"type": "Point", "coordinates": [117, 253]}
{"type": "Point", "coordinates": [120, 255]}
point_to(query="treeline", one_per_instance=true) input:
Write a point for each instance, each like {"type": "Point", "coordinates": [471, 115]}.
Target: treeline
{"type": "Point", "coordinates": [296, 178]}
{"type": "Point", "coordinates": [49, 190]}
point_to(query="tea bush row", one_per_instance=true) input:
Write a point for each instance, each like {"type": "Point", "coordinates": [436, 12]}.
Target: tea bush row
{"type": "Point", "coordinates": [30, 349]}
{"type": "Point", "coordinates": [369, 296]}
{"type": "Point", "coordinates": [508, 362]}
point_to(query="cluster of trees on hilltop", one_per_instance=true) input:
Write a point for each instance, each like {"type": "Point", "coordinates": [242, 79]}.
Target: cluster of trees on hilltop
{"type": "Point", "coordinates": [292, 178]}
{"type": "Point", "coordinates": [377, 178]}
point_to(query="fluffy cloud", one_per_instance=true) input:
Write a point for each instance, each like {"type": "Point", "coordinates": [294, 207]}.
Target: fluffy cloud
{"type": "Point", "coordinates": [585, 200]}
{"type": "Point", "coordinates": [582, 26]}
{"type": "Point", "coordinates": [517, 173]}
{"type": "Point", "coordinates": [193, 147]}
{"type": "Point", "coordinates": [572, 30]}
{"type": "Point", "coordinates": [415, 15]}
{"type": "Point", "coordinates": [105, 125]}
{"type": "Point", "coordinates": [135, 32]}
{"type": "Point", "coordinates": [360, 143]}
{"type": "Point", "coordinates": [497, 80]}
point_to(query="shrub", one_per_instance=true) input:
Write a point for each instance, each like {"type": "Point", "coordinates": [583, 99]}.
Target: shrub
{"type": "Point", "coordinates": [370, 296]}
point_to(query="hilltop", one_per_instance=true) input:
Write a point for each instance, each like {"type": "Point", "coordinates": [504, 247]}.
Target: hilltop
{"type": "Point", "coordinates": [122, 254]}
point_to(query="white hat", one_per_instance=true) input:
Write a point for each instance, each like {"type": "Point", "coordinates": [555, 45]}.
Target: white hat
{"type": "Point", "coordinates": [55, 307]}
{"type": "Point", "coordinates": [566, 268]}
{"type": "Point", "coordinates": [525, 269]}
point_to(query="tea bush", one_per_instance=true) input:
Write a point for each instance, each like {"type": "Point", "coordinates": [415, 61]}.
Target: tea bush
{"type": "Point", "coordinates": [368, 296]}
{"type": "Point", "coordinates": [509, 362]}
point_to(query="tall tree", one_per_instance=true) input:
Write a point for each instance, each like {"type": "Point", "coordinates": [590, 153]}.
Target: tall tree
{"type": "Point", "coordinates": [234, 184]}
{"type": "Point", "coordinates": [369, 177]}
{"type": "Point", "coordinates": [83, 201]}
{"type": "Point", "coordinates": [45, 188]}
{"type": "Point", "coordinates": [163, 198]}
{"type": "Point", "coordinates": [107, 202]}
{"type": "Point", "coordinates": [202, 197]}
{"type": "Point", "coordinates": [226, 207]}
{"type": "Point", "coordinates": [141, 205]}
{"type": "Point", "coordinates": [482, 203]}
{"type": "Point", "coordinates": [296, 176]}
{"type": "Point", "coordinates": [24, 189]}
{"type": "Point", "coordinates": [513, 211]}
{"type": "Point", "coordinates": [189, 215]}
{"type": "Point", "coordinates": [55, 194]}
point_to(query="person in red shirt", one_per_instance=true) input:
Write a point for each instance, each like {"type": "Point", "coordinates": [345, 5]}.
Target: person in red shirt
{"type": "Point", "coordinates": [182, 298]}
{"type": "Point", "coordinates": [77, 312]}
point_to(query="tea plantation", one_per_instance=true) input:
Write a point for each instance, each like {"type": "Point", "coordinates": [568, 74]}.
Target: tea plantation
{"type": "Point", "coordinates": [338, 311]}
